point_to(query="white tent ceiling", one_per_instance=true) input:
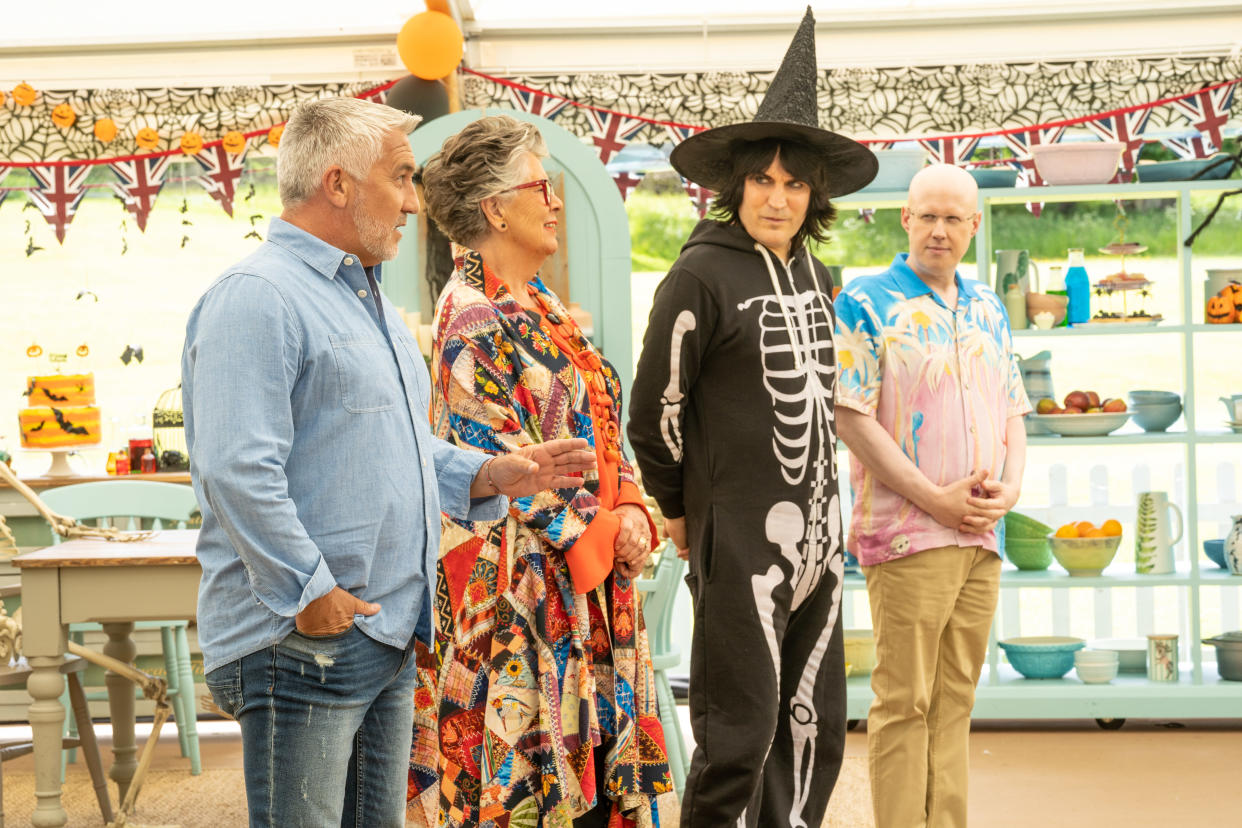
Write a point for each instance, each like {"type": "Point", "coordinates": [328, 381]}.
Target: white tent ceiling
{"type": "Point", "coordinates": [87, 44]}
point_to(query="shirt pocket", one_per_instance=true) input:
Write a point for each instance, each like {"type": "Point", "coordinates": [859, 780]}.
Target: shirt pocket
{"type": "Point", "coordinates": [416, 367]}
{"type": "Point", "coordinates": [363, 366]}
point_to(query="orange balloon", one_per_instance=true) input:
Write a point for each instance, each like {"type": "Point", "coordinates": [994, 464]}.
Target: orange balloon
{"type": "Point", "coordinates": [430, 45]}
{"type": "Point", "coordinates": [24, 94]}
{"type": "Point", "coordinates": [191, 143]}
{"type": "Point", "coordinates": [147, 138]}
{"type": "Point", "coordinates": [105, 130]}
{"type": "Point", "coordinates": [273, 134]}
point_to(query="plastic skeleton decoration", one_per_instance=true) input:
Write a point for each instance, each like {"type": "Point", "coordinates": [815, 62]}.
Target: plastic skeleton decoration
{"type": "Point", "coordinates": [673, 397]}
{"type": "Point", "coordinates": [797, 350]}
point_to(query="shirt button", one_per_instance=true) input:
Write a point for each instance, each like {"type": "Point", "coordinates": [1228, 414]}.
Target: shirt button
{"type": "Point", "coordinates": [362, 294]}
{"type": "Point", "coordinates": [966, 385]}
{"type": "Point", "coordinates": [349, 260]}
{"type": "Point", "coordinates": [972, 429]}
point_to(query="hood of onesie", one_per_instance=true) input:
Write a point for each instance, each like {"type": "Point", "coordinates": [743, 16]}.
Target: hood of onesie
{"type": "Point", "coordinates": [730, 236]}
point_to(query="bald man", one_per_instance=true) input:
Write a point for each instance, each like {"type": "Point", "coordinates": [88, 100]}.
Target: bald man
{"type": "Point", "coordinates": [930, 404]}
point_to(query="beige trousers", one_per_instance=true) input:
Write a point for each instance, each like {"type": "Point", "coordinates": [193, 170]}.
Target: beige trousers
{"type": "Point", "coordinates": [931, 612]}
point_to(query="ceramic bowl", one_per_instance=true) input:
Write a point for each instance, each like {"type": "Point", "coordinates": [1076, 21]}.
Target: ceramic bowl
{"type": "Point", "coordinates": [1084, 557]}
{"type": "Point", "coordinates": [1051, 302]}
{"type": "Point", "coordinates": [1131, 652]}
{"type": "Point", "coordinates": [897, 167]}
{"type": "Point", "coordinates": [860, 651]}
{"type": "Point", "coordinates": [1096, 657]}
{"type": "Point", "coordinates": [1148, 397]}
{"type": "Point", "coordinates": [1093, 162]}
{"type": "Point", "coordinates": [994, 176]}
{"type": "Point", "coordinates": [1217, 167]}
{"type": "Point", "coordinates": [1096, 673]}
{"type": "Point", "coordinates": [1228, 654]}
{"type": "Point", "coordinates": [1018, 525]}
{"type": "Point", "coordinates": [1082, 425]}
{"type": "Point", "coordinates": [1215, 551]}
{"type": "Point", "coordinates": [1048, 656]}
{"type": "Point", "coordinates": [1028, 554]}
{"type": "Point", "coordinates": [1155, 416]}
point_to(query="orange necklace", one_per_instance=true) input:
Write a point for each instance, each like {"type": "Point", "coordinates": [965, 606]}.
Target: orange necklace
{"type": "Point", "coordinates": [593, 369]}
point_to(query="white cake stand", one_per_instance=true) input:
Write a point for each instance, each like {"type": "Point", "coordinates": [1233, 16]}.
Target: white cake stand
{"type": "Point", "coordinates": [60, 461]}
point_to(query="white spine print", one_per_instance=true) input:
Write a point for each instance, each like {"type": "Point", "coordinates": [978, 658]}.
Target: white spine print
{"type": "Point", "coordinates": [672, 397]}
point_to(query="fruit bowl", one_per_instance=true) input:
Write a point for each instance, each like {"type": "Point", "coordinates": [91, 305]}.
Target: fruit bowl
{"type": "Point", "coordinates": [1045, 656]}
{"type": "Point", "coordinates": [1082, 425]}
{"type": "Point", "coordinates": [1084, 557]}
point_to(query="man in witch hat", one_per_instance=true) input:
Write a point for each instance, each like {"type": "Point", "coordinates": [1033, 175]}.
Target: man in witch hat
{"type": "Point", "coordinates": [732, 422]}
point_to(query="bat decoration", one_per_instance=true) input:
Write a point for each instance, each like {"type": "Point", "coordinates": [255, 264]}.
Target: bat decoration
{"type": "Point", "coordinates": [131, 352]}
{"type": "Point", "coordinates": [66, 425]}
{"type": "Point", "coordinates": [31, 248]}
{"type": "Point", "coordinates": [30, 390]}
{"type": "Point", "coordinates": [185, 206]}
{"type": "Point", "coordinates": [29, 205]}
{"type": "Point", "coordinates": [253, 234]}
{"type": "Point", "coordinates": [256, 217]}
{"type": "Point", "coordinates": [52, 396]}
{"type": "Point", "coordinates": [84, 292]}
{"type": "Point", "coordinates": [184, 239]}
{"type": "Point", "coordinates": [250, 192]}
{"type": "Point", "coordinates": [39, 427]}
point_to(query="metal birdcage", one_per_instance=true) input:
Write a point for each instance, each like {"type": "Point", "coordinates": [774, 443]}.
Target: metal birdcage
{"type": "Point", "coordinates": [168, 432]}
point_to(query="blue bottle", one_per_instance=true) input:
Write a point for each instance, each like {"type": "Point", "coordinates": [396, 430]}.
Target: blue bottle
{"type": "Point", "coordinates": [1078, 287]}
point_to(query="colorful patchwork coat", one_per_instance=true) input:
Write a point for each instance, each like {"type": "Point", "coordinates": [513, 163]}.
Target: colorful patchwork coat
{"type": "Point", "coordinates": [529, 679]}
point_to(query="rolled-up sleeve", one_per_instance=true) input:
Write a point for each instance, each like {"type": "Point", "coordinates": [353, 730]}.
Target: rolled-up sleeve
{"type": "Point", "coordinates": [456, 469]}
{"type": "Point", "coordinates": [241, 362]}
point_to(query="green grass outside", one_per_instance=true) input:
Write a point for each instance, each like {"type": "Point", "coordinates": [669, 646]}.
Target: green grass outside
{"type": "Point", "coordinates": [660, 223]}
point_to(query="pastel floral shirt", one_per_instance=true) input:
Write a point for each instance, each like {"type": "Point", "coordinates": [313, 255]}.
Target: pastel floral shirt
{"type": "Point", "coordinates": [943, 381]}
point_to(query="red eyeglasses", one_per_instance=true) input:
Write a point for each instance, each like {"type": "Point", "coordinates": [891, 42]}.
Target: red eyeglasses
{"type": "Point", "coordinates": [541, 184]}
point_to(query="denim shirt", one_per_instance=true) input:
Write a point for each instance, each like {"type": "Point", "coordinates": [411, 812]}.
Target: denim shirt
{"type": "Point", "coordinates": [311, 452]}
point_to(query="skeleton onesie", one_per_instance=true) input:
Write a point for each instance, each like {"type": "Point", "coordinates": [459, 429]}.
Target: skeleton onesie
{"type": "Point", "coordinates": [731, 420]}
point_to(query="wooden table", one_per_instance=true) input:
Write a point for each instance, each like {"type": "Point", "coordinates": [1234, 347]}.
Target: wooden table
{"type": "Point", "coordinates": [114, 584]}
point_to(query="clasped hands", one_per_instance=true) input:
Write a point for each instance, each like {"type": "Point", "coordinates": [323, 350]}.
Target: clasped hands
{"type": "Point", "coordinates": [974, 504]}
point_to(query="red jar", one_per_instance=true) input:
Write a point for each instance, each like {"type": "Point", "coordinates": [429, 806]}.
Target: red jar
{"type": "Point", "coordinates": [137, 448]}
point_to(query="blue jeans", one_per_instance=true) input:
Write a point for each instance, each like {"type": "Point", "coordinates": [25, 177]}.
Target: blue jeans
{"type": "Point", "coordinates": [326, 726]}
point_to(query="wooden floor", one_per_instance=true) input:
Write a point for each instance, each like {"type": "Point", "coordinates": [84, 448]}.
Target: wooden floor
{"type": "Point", "coordinates": [1059, 774]}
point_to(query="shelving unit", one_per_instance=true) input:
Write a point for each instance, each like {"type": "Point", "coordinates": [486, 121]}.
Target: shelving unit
{"type": "Point", "coordinates": [1200, 692]}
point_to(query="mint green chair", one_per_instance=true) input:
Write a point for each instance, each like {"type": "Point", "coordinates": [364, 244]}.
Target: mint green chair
{"type": "Point", "coordinates": [660, 595]}
{"type": "Point", "coordinates": [126, 504]}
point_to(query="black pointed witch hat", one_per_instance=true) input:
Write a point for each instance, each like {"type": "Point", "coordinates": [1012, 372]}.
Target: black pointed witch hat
{"type": "Point", "coordinates": [788, 111]}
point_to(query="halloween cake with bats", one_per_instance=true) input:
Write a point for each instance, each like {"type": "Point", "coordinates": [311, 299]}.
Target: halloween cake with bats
{"type": "Point", "coordinates": [61, 412]}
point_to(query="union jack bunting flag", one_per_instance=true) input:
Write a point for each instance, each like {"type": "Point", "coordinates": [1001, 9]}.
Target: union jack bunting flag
{"type": "Point", "coordinates": [1021, 143]}
{"type": "Point", "coordinates": [1208, 111]}
{"type": "Point", "coordinates": [611, 131]}
{"type": "Point", "coordinates": [626, 182]}
{"type": "Point", "coordinates": [1188, 148]}
{"type": "Point", "coordinates": [1126, 127]}
{"type": "Point", "coordinates": [139, 184]}
{"type": "Point", "coordinates": [879, 146]}
{"type": "Point", "coordinates": [949, 150]}
{"type": "Point", "coordinates": [680, 132]}
{"type": "Point", "coordinates": [700, 198]}
{"type": "Point", "coordinates": [4, 173]}
{"type": "Point", "coordinates": [223, 169]}
{"type": "Point", "coordinates": [59, 188]}
{"type": "Point", "coordinates": [536, 103]}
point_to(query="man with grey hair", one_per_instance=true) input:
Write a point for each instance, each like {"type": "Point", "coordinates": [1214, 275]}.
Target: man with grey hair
{"type": "Point", "coordinates": [321, 484]}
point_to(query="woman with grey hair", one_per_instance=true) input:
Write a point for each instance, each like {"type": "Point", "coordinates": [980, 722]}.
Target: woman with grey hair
{"type": "Point", "coordinates": [539, 700]}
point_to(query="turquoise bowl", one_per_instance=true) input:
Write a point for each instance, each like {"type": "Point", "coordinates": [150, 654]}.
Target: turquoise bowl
{"type": "Point", "coordinates": [1215, 551]}
{"type": "Point", "coordinates": [1042, 657]}
{"type": "Point", "coordinates": [995, 176]}
{"type": "Point", "coordinates": [1183, 170]}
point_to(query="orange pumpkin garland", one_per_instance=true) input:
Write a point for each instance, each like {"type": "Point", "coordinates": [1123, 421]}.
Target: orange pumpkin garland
{"type": "Point", "coordinates": [1220, 311]}
{"type": "Point", "coordinates": [23, 94]}
{"type": "Point", "coordinates": [273, 134]}
{"type": "Point", "coordinates": [147, 138]}
{"type": "Point", "coordinates": [191, 143]}
{"type": "Point", "coordinates": [105, 130]}
{"type": "Point", "coordinates": [233, 142]}
{"type": "Point", "coordinates": [64, 116]}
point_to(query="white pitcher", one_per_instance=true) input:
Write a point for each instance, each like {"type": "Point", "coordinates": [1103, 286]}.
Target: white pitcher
{"type": "Point", "coordinates": [1153, 546]}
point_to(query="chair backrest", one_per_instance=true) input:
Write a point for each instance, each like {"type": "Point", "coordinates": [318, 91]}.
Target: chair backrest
{"type": "Point", "coordinates": [132, 500]}
{"type": "Point", "coordinates": [658, 604]}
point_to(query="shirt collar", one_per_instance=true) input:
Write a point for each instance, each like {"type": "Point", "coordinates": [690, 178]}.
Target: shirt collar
{"type": "Point", "coordinates": [911, 285]}
{"type": "Point", "coordinates": [322, 257]}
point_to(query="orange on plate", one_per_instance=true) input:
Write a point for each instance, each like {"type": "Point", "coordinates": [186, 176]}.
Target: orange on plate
{"type": "Point", "coordinates": [1112, 528]}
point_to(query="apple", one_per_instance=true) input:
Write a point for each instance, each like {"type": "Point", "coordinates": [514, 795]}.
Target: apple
{"type": "Point", "coordinates": [1077, 399]}
{"type": "Point", "coordinates": [1093, 398]}
{"type": "Point", "coordinates": [1095, 409]}
{"type": "Point", "coordinates": [1045, 406]}
{"type": "Point", "coordinates": [1071, 409]}
{"type": "Point", "coordinates": [1114, 406]}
